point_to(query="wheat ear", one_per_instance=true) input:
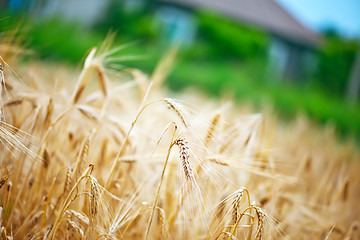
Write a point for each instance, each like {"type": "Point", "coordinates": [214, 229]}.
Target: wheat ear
{"type": "Point", "coordinates": [82, 155]}
{"type": "Point", "coordinates": [212, 128]}
{"type": "Point", "coordinates": [236, 204]}
{"type": "Point", "coordinates": [94, 198]}
{"type": "Point", "coordinates": [99, 68]}
{"type": "Point", "coordinates": [188, 172]}
{"type": "Point", "coordinates": [184, 158]}
{"type": "Point", "coordinates": [161, 220]}
{"type": "Point", "coordinates": [173, 105]}
{"type": "Point", "coordinates": [236, 217]}
{"type": "Point", "coordinates": [84, 77]}
{"type": "Point", "coordinates": [261, 221]}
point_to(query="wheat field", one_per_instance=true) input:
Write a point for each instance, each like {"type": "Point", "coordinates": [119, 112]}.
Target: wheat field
{"type": "Point", "coordinates": [109, 153]}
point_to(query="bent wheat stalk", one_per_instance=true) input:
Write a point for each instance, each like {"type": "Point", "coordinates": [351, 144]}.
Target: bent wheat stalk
{"type": "Point", "coordinates": [120, 152]}
{"type": "Point", "coordinates": [161, 180]}
{"type": "Point", "coordinates": [236, 216]}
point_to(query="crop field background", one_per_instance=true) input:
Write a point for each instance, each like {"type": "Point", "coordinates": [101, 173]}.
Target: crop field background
{"type": "Point", "coordinates": [86, 157]}
{"type": "Point", "coordinates": [115, 129]}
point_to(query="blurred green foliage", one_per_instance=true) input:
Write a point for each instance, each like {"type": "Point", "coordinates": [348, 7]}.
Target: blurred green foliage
{"type": "Point", "coordinates": [51, 39]}
{"type": "Point", "coordinates": [59, 40]}
{"type": "Point", "coordinates": [231, 38]}
{"type": "Point", "coordinates": [129, 24]}
{"type": "Point", "coordinates": [335, 60]}
{"type": "Point", "coordinates": [225, 56]}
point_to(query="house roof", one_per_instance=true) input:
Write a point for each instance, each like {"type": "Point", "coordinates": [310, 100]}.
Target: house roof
{"type": "Point", "coordinates": [267, 14]}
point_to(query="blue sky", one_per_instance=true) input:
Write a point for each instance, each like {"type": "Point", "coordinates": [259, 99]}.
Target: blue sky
{"type": "Point", "coordinates": [344, 15]}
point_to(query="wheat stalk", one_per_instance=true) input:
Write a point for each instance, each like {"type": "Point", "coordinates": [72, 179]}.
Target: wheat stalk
{"type": "Point", "coordinates": [122, 148]}
{"type": "Point", "coordinates": [161, 181]}
{"type": "Point", "coordinates": [67, 202]}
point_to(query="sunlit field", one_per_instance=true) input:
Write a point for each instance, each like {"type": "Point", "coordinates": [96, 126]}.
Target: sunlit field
{"type": "Point", "coordinates": [107, 152]}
